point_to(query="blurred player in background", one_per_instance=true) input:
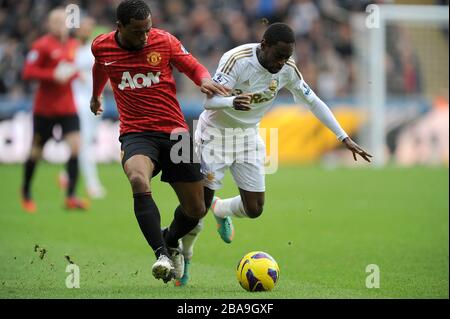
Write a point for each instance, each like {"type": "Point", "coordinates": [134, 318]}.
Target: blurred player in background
{"type": "Point", "coordinates": [138, 61]}
{"type": "Point", "coordinates": [255, 73]}
{"type": "Point", "coordinates": [50, 62]}
{"type": "Point", "coordinates": [82, 87]}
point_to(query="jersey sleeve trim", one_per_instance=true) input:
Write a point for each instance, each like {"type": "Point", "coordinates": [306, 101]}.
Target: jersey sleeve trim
{"type": "Point", "coordinates": [228, 66]}
{"type": "Point", "coordinates": [292, 64]}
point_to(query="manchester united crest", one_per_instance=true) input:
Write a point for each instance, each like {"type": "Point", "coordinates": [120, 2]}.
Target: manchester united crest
{"type": "Point", "coordinates": [153, 58]}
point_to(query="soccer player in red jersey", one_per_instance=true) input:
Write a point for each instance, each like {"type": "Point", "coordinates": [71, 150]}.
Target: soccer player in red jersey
{"type": "Point", "coordinates": [50, 62]}
{"type": "Point", "coordinates": [138, 61]}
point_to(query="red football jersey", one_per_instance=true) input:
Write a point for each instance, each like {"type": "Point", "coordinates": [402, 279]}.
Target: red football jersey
{"type": "Point", "coordinates": [142, 80]}
{"type": "Point", "coordinates": [52, 98]}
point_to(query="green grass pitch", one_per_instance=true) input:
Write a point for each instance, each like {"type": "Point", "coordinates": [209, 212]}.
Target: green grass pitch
{"type": "Point", "coordinates": [322, 226]}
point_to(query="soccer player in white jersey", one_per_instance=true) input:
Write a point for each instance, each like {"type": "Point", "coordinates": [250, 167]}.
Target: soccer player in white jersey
{"type": "Point", "coordinates": [82, 88]}
{"type": "Point", "coordinates": [254, 73]}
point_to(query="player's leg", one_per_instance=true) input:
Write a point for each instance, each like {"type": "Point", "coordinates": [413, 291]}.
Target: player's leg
{"type": "Point", "coordinates": [183, 171]}
{"type": "Point", "coordinates": [214, 172]}
{"type": "Point", "coordinates": [215, 161]}
{"type": "Point", "coordinates": [71, 130]}
{"type": "Point", "coordinates": [188, 241]}
{"type": "Point", "coordinates": [247, 204]}
{"type": "Point", "coordinates": [42, 131]}
{"type": "Point", "coordinates": [250, 179]}
{"type": "Point", "coordinates": [30, 166]}
{"type": "Point", "coordinates": [186, 217]}
{"type": "Point", "coordinates": [187, 246]}
{"type": "Point", "coordinates": [188, 213]}
{"type": "Point", "coordinates": [140, 160]}
{"type": "Point", "coordinates": [88, 166]}
{"type": "Point", "coordinates": [139, 169]}
{"type": "Point", "coordinates": [213, 169]}
{"type": "Point", "coordinates": [248, 174]}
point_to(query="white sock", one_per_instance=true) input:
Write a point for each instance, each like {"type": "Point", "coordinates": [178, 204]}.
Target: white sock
{"type": "Point", "coordinates": [189, 240]}
{"type": "Point", "coordinates": [230, 207]}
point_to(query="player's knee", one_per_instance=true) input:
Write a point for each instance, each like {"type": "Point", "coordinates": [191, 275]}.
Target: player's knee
{"type": "Point", "coordinates": [74, 151]}
{"type": "Point", "coordinates": [36, 152]}
{"type": "Point", "coordinates": [36, 155]}
{"type": "Point", "coordinates": [139, 183]}
{"type": "Point", "coordinates": [254, 210]}
{"type": "Point", "coordinates": [196, 210]}
{"type": "Point", "coordinates": [73, 140]}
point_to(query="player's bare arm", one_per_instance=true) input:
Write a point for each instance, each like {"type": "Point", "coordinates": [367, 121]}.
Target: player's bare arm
{"type": "Point", "coordinates": [356, 149]}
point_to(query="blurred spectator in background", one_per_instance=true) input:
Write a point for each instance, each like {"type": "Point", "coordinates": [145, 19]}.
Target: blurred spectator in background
{"type": "Point", "coordinates": [209, 28]}
{"type": "Point", "coordinates": [82, 87]}
{"type": "Point", "coordinates": [50, 62]}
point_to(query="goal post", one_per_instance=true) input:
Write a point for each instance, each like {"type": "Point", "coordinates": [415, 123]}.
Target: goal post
{"type": "Point", "coordinates": [370, 33]}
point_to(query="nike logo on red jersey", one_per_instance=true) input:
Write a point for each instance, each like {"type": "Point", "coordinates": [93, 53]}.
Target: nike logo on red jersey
{"type": "Point", "coordinates": [109, 63]}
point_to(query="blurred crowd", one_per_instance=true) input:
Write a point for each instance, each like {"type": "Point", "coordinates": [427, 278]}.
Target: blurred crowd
{"type": "Point", "coordinates": [324, 50]}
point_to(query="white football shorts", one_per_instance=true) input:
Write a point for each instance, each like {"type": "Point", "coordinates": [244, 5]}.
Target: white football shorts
{"type": "Point", "coordinates": [242, 151]}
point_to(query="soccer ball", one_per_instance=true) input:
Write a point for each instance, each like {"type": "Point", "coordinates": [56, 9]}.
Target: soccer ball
{"type": "Point", "coordinates": [257, 271]}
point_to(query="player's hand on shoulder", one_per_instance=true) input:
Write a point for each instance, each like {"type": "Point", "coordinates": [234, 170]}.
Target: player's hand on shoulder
{"type": "Point", "coordinates": [356, 149]}
{"type": "Point", "coordinates": [96, 105]}
{"type": "Point", "coordinates": [209, 87]}
{"type": "Point", "coordinates": [242, 102]}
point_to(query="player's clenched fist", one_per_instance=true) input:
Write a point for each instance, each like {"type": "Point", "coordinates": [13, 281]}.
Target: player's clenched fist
{"type": "Point", "coordinates": [242, 102]}
{"type": "Point", "coordinates": [96, 105]}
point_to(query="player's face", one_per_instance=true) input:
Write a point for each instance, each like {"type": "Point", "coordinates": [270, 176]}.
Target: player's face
{"type": "Point", "coordinates": [274, 57]}
{"type": "Point", "coordinates": [85, 30]}
{"type": "Point", "coordinates": [57, 23]}
{"type": "Point", "coordinates": [135, 33]}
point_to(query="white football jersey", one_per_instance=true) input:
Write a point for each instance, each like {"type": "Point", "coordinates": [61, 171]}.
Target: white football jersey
{"type": "Point", "coordinates": [240, 70]}
{"type": "Point", "coordinates": [82, 86]}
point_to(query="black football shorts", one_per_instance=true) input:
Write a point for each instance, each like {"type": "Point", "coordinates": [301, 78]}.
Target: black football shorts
{"type": "Point", "coordinates": [175, 158]}
{"type": "Point", "coordinates": [43, 126]}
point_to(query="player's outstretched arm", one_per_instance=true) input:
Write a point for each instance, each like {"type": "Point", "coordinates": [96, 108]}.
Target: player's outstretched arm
{"type": "Point", "coordinates": [356, 149]}
{"type": "Point", "coordinates": [302, 92]}
{"type": "Point", "coordinates": [210, 88]}
{"type": "Point", "coordinates": [189, 65]}
{"type": "Point", "coordinates": [240, 102]}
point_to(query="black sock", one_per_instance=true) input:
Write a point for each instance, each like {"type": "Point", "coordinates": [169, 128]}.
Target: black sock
{"type": "Point", "coordinates": [180, 226]}
{"type": "Point", "coordinates": [149, 220]}
{"type": "Point", "coordinates": [72, 173]}
{"type": "Point", "coordinates": [29, 167]}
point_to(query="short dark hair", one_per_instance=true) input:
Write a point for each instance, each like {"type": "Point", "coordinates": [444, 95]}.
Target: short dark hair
{"type": "Point", "coordinates": [132, 9]}
{"type": "Point", "coordinates": [279, 32]}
